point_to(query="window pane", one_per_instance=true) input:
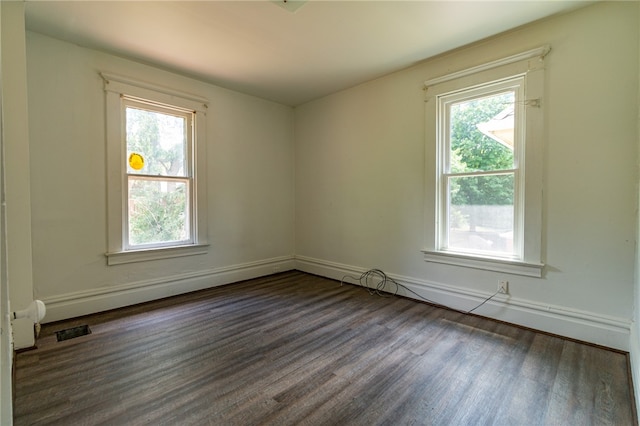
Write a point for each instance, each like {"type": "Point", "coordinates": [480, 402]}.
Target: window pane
{"type": "Point", "coordinates": [482, 134]}
{"type": "Point", "coordinates": [481, 213]}
{"type": "Point", "coordinates": [158, 211]}
{"type": "Point", "coordinates": [160, 139]}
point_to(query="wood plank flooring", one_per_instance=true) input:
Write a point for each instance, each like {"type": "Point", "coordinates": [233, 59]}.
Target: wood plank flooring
{"type": "Point", "coordinates": [294, 348]}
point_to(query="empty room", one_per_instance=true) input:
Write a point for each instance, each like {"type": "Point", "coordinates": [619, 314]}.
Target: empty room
{"type": "Point", "coordinates": [319, 212]}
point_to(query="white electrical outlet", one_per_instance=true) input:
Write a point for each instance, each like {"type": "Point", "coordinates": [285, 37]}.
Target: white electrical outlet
{"type": "Point", "coordinates": [503, 287]}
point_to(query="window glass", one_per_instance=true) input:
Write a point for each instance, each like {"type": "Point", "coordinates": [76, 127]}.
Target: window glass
{"type": "Point", "coordinates": [159, 138]}
{"type": "Point", "coordinates": [157, 164]}
{"type": "Point", "coordinates": [482, 133]}
{"type": "Point", "coordinates": [480, 181]}
{"type": "Point", "coordinates": [479, 173]}
{"type": "Point", "coordinates": [158, 211]}
{"type": "Point", "coordinates": [480, 213]}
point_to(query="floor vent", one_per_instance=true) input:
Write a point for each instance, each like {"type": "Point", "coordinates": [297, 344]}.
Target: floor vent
{"type": "Point", "coordinates": [70, 333]}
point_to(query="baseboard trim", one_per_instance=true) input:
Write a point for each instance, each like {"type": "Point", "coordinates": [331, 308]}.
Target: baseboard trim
{"type": "Point", "coordinates": [71, 305]}
{"type": "Point", "coordinates": [576, 324]}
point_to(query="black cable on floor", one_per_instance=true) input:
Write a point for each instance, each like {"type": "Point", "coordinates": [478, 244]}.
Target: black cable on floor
{"type": "Point", "coordinates": [383, 279]}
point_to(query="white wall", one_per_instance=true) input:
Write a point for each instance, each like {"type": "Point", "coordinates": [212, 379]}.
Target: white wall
{"type": "Point", "coordinates": [6, 348]}
{"type": "Point", "coordinates": [634, 344]}
{"type": "Point", "coordinates": [16, 150]}
{"type": "Point", "coordinates": [359, 179]}
{"type": "Point", "coordinates": [249, 172]}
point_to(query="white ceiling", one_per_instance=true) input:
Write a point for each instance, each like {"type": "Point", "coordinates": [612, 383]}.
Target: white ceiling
{"type": "Point", "coordinates": [259, 48]}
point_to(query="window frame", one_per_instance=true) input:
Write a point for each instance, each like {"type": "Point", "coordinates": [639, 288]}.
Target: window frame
{"type": "Point", "coordinates": [528, 258]}
{"type": "Point", "coordinates": [187, 178]}
{"type": "Point", "coordinates": [444, 174]}
{"type": "Point", "coordinates": [118, 90]}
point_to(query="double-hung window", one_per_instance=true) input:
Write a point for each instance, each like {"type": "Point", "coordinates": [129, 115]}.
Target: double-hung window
{"type": "Point", "coordinates": [480, 190]}
{"type": "Point", "coordinates": [483, 151]}
{"type": "Point", "coordinates": [156, 184]}
{"type": "Point", "coordinates": [159, 146]}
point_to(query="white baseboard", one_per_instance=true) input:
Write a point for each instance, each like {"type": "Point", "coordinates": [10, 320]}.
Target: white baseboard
{"type": "Point", "coordinates": [586, 326]}
{"type": "Point", "coordinates": [581, 325]}
{"type": "Point", "coordinates": [80, 303]}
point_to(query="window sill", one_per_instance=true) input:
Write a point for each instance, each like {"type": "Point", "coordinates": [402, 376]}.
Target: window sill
{"type": "Point", "coordinates": [485, 263]}
{"type": "Point", "coordinates": [132, 256]}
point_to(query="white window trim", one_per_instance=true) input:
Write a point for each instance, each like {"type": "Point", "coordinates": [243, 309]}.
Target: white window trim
{"type": "Point", "coordinates": [485, 263]}
{"type": "Point", "coordinates": [531, 64]}
{"type": "Point", "coordinates": [131, 256]}
{"type": "Point", "coordinates": [115, 87]}
{"type": "Point", "coordinates": [515, 84]}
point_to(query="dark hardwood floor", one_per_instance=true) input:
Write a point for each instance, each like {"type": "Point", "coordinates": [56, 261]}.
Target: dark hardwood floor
{"type": "Point", "coordinates": [294, 348]}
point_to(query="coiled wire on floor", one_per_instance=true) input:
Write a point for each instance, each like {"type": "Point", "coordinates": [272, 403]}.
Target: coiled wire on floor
{"type": "Point", "coordinates": [378, 283]}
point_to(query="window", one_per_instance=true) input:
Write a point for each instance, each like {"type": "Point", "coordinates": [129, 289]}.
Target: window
{"type": "Point", "coordinates": [156, 185]}
{"type": "Point", "coordinates": [484, 157]}
{"type": "Point", "coordinates": [479, 189]}
{"type": "Point", "coordinates": [159, 180]}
